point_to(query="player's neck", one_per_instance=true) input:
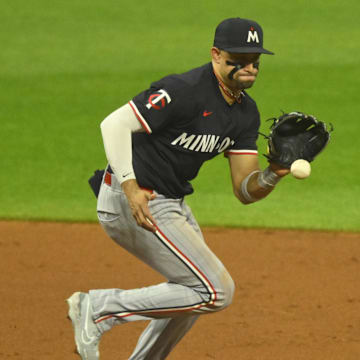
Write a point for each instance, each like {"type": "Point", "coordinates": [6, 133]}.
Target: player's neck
{"type": "Point", "coordinates": [231, 96]}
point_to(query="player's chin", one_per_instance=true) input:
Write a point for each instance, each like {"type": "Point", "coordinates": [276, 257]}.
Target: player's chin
{"type": "Point", "coordinates": [246, 82]}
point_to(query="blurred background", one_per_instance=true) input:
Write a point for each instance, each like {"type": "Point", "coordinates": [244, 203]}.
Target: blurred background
{"type": "Point", "coordinates": [66, 65]}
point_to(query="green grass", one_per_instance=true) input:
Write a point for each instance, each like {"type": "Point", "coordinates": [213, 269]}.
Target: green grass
{"type": "Point", "coordinates": [66, 65]}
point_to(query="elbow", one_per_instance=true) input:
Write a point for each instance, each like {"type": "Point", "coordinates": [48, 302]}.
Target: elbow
{"type": "Point", "coordinates": [104, 124]}
{"type": "Point", "coordinates": [245, 202]}
{"type": "Point", "coordinates": [244, 198]}
{"type": "Point", "coordinates": [108, 127]}
{"type": "Point", "coordinates": [241, 198]}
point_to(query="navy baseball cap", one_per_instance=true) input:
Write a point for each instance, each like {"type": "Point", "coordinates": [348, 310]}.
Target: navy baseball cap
{"type": "Point", "coordinates": [238, 35]}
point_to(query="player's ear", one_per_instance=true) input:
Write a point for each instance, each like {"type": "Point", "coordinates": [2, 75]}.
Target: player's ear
{"type": "Point", "coordinates": [215, 54]}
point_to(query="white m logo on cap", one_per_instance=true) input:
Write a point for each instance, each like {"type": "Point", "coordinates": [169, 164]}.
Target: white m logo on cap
{"type": "Point", "coordinates": [252, 36]}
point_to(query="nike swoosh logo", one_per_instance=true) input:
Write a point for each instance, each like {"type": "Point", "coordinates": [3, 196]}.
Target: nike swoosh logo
{"type": "Point", "coordinates": [124, 176]}
{"type": "Point", "coordinates": [85, 337]}
{"type": "Point", "coordinates": [207, 113]}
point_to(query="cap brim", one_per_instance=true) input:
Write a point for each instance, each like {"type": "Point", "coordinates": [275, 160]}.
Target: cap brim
{"type": "Point", "coordinates": [248, 50]}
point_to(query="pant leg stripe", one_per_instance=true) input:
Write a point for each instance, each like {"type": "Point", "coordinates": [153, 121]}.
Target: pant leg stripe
{"type": "Point", "coordinates": [190, 265]}
{"type": "Point", "coordinates": [149, 313]}
{"type": "Point", "coordinates": [195, 270]}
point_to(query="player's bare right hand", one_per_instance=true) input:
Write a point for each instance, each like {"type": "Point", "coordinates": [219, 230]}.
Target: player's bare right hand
{"type": "Point", "coordinates": [138, 201]}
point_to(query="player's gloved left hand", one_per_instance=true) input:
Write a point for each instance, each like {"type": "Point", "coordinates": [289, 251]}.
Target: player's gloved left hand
{"type": "Point", "coordinates": [296, 136]}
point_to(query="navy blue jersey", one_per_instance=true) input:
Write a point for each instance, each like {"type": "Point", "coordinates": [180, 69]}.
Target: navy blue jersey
{"type": "Point", "coordinates": [187, 121]}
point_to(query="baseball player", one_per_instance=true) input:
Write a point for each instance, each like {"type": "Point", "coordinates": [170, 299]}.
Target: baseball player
{"type": "Point", "coordinates": [155, 145]}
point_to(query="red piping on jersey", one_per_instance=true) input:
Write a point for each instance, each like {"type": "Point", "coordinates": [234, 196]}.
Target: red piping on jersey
{"type": "Point", "coordinates": [240, 153]}
{"type": "Point", "coordinates": [146, 128]}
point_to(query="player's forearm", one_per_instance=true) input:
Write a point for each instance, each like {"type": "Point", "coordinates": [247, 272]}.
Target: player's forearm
{"type": "Point", "coordinates": [116, 131]}
{"type": "Point", "coordinates": [117, 151]}
{"type": "Point", "coordinates": [257, 185]}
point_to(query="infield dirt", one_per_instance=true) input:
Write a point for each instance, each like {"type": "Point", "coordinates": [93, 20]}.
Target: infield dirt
{"type": "Point", "coordinates": [297, 293]}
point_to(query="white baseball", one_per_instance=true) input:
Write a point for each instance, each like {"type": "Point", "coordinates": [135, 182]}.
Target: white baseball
{"type": "Point", "coordinates": [300, 169]}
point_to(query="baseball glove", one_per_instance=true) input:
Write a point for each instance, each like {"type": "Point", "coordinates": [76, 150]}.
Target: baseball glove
{"type": "Point", "coordinates": [296, 136]}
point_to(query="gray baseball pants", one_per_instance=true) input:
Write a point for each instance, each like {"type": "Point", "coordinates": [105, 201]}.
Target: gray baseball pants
{"type": "Point", "coordinates": [198, 282]}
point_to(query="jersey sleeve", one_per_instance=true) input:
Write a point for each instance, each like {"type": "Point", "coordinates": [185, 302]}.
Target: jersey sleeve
{"type": "Point", "coordinates": [164, 102]}
{"type": "Point", "coordinates": [245, 144]}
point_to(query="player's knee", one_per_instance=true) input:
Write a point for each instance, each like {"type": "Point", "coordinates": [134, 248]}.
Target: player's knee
{"type": "Point", "coordinates": [225, 292]}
